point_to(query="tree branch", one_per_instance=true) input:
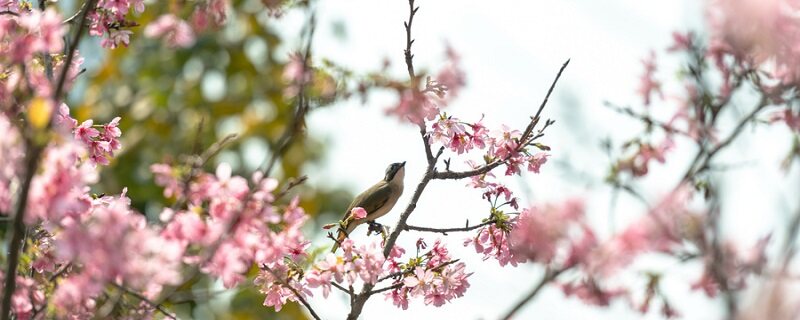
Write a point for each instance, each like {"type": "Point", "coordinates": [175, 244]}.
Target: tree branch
{"type": "Point", "coordinates": [524, 140]}
{"type": "Point", "coordinates": [399, 273]}
{"type": "Point", "coordinates": [410, 57]}
{"type": "Point", "coordinates": [702, 161]}
{"type": "Point", "coordinates": [157, 306]}
{"type": "Point", "coordinates": [89, 7]}
{"type": "Point", "coordinates": [338, 286]}
{"type": "Point", "coordinates": [548, 276]}
{"type": "Point", "coordinates": [297, 294]}
{"type": "Point", "coordinates": [32, 162]}
{"type": "Point", "coordinates": [444, 231]}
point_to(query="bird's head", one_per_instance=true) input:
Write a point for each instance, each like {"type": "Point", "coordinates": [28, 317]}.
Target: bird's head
{"type": "Point", "coordinates": [395, 171]}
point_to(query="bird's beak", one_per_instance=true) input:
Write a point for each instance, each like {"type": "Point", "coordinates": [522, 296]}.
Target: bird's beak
{"type": "Point", "coordinates": [402, 164]}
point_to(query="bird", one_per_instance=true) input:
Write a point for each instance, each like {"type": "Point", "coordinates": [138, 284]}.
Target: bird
{"type": "Point", "coordinates": [377, 201]}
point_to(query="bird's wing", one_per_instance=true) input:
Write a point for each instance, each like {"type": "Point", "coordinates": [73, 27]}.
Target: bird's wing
{"type": "Point", "coordinates": [372, 199]}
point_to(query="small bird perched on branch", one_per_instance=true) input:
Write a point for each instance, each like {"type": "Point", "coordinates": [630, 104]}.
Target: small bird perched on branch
{"type": "Point", "coordinates": [377, 201]}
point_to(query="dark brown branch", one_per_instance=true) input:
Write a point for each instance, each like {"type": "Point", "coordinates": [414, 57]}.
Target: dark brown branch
{"type": "Point", "coordinates": [410, 57]}
{"type": "Point", "coordinates": [289, 185]}
{"type": "Point", "coordinates": [297, 294]}
{"type": "Point", "coordinates": [392, 287]}
{"type": "Point", "coordinates": [444, 231]}
{"type": "Point", "coordinates": [18, 228]}
{"type": "Point", "coordinates": [548, 276]}
{"type": "Point", "coordinates": [60, 271]}
{"type": "Point", "coordinates": [157, 306]}
{"type": "Point", "coordinates": [338, 286]}
{"type": "Point", "coordinates": [76, 40]}
{"type": "Point", "coordinates": [546, 98]}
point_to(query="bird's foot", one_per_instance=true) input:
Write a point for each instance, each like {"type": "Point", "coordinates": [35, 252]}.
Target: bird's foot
{"type": "Point", "coordinates": [377, 228]}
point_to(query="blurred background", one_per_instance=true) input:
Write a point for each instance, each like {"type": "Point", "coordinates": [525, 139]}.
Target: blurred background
{"type": "Point", "coordinates": [174, 101]}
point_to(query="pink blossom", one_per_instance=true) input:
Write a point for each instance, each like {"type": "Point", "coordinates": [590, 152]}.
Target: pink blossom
{"type": "Point", "coordinates": [399, 297]}
{"type": "Point", "coordinates": [116, 38]}
{"type": "Point", "coordinates": [536, 161]}
{"type": "Point", "coordinates": [167, 177]}
{"type": "Point", "coordinates": [590, 292]}
{"type": "Point", "coordinates": [539, 233]}
{"type": "Point", "coordinates": [504, 143]}
{"type": "Point", "coordinates": [420, 281]}
{"type": "Point", "coordinates": [26, 297]}
{"type": "Point", "coordinates": [415, 106]}
{"type": "Point", "coordinates": [50, 29]}
{"type": "Point", "coordinates": [276, 294]}
{"type": "Point", "coordinates": [10, 160]}
{"type": "Point", "coordinates": [452, 77]}
{"type": "Point", "coordinates": [214, 10]}
{"type": "Point", "coordinates": [681, 41]}
{"type": "Point", "coordinates": [791, 119]}
{"type": "Point", "coordinates": [493, 241]}
{"type": "Point", "coordinates": [187, 228]}
{"type": "Point", "coordinates": [176, 32]}
{"type": "Point", "coordinates": [648, 85]}
{"type": "Point", "coordinates": [298, 73]}
{"type": "Point", "coordinates": [479, 135]}
{"type": "Point", "coordinates": [358, 213]}
{"type": "Point", "coordinates": [663, 230]}
{"type": "Point", "coordinates": [85, 132]}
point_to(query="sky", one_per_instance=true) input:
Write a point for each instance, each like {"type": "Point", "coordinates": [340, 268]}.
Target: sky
{"type": "Point", "coordinates": [511, 51]}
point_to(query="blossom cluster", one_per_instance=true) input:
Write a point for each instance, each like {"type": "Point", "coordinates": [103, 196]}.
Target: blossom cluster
{"type": "Point", "coordinates": [504, 144]}
{"type": "Point", "coordinates": [31, 44]}
{"type": "Point", "coordinates": [434, 276]}
{"type": "Point", "coordinates": [88, 241]}
{"type": "Point", "coordinates": [236, 219]}
{"type": "Point", "coordinates": [110, 21]}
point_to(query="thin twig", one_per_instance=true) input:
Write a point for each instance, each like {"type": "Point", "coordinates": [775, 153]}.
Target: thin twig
{"type": "Point", "coordinates": [157, 306]}
{"type": "Point", "coordinates": [339, 286]}
{"type": "Point", "coordinates": [407, 52]}
{"type": "Point", "coordinates": [392, 287]}
{"type": "Point", "coordinates": [444, 231]}
{"type": "Point", "coordinates": [294, 182]}
{"type": "Point", "coordinates": [298, 120]}
{"type": "Point", "coordinates": [297, 294]}
{"type": "Point", "coordinates": [523, 140]}
{"type": "Point", "coordinates": [548, 276]}
{"type": "Point", "coordinates": [197, 162]}
{"type": "Point", "coordinates": [645, 118]}
{"type": "Point", "coordinates": [62, 79]}
{"type": "Point", "coordinates": [399, 273]}
{"type": "Point", "coordinates": [702, 161]}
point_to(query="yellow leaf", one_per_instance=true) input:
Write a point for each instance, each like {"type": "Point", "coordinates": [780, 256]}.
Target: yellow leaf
{"type": "Point", "coordinates": [39, 112]}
